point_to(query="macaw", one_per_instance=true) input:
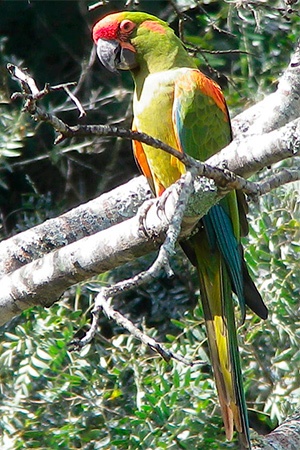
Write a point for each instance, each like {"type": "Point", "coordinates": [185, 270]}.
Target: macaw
{"type": "Point", "coordinates": [176, 103]}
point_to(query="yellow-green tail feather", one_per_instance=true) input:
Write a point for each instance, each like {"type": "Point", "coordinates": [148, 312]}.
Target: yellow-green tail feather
{"type": "Point", "coordinates": [216, 297]}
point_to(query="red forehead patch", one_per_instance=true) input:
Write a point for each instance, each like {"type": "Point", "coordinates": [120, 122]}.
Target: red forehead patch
{"type": "Point", "coordinates": [154, 26]}
{"type": "Point", "coordinates": [107, 27]}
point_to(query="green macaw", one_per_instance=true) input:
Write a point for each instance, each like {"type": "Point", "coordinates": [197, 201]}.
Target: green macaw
{"type": "Point", "coordinates": [176, 103]}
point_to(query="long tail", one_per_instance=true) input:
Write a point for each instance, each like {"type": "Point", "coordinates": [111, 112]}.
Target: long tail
{"type": "Point", "coordinates": [221, 331]}
{"type": "Point", "coordinates": [216, 253]}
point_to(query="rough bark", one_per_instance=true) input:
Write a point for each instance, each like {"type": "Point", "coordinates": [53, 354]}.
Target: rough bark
{"type": "Point", "coordinates": [284, 437]}
{"type": "Point", "coordinates": [99, 214]}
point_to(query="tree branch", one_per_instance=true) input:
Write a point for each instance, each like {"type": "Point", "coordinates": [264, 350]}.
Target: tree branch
{"type": "Point", "coordinates": [247, 155]}
{"type": "Point", "coordinates": [99, 214]}
{"type": "Point", "coordinates": [284, 437]}
{"type": "Point", "coordinates": [44, 280]}
{"type": "Point", "coordinates": [101, 304]}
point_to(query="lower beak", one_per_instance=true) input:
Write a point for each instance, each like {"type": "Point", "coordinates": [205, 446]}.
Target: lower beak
{"type": "Point", "coordinates": [113, 55]}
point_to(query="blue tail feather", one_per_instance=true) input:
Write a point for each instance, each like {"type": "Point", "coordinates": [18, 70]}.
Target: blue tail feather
{"type": "Point", "coordinates": [220, 234]}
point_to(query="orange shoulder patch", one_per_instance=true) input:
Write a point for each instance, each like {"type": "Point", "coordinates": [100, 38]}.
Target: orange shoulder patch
{"type": "Point", "coordinates": [154, 26]}
{"type": "Point", "coordinates": [204, 84]}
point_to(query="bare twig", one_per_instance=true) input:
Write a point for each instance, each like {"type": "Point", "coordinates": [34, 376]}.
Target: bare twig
{"type": "Point", "coordinates": [76, 101]}
{"type": "Point", "coordinates": [103, 303]}
{"type": "Point", "coordinates": [96, 5]}
{"type": "Point", "coordinates": [31, 93]}
{"type": "Point", "coordinates": [104, 298]}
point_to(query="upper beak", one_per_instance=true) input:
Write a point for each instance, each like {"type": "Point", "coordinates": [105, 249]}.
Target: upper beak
{"type": "Point", "coordinates": [116, 55]}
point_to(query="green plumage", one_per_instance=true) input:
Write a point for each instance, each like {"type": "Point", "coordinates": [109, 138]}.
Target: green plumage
{"type": "Point", "coordinates": [176, 103]}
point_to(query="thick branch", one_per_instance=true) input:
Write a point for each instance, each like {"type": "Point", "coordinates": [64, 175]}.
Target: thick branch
{"type": "Point", "coordinates": [99, 214]}
{"type": "Point", "coordinates": [246, 156]}
{"type": "Point", "coordinates": [48, 277]}
{"type": "Point", "coordinates": [109, 209]}
{"type": "Point", "coordinates": [44, 280]}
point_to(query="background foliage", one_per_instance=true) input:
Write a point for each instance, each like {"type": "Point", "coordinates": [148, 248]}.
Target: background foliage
{"type": "Point", "coordinates": [115, 393]}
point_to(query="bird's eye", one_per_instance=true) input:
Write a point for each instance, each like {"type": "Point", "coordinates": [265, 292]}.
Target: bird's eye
{"type": "Point", "coordinates": [126, 26]}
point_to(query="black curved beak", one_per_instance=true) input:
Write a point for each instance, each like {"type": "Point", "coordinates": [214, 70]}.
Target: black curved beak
{"type": "Point", "coordinates": [113, 56]}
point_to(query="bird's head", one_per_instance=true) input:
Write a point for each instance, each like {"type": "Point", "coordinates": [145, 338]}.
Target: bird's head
{"type": "Point", "coordinates": [125, 40]}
